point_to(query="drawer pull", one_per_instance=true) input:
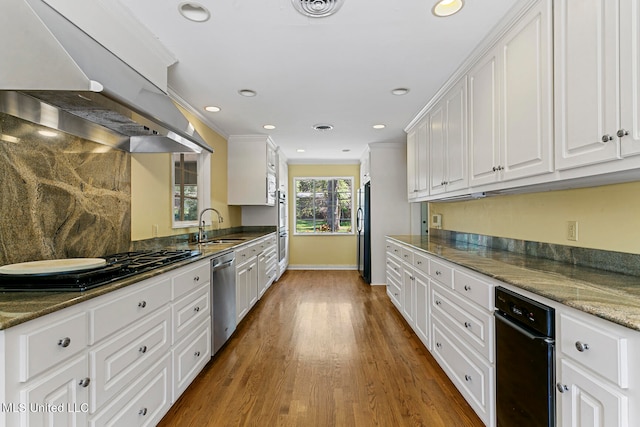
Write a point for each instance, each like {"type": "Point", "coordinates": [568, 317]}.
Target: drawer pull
{"type": "Point", "coordinates": [438, 302]}
{"type": "Point", "coordinates": [467, 288]}
{"type": "Point", "coordinates": [439, 345]}
{"type": "Point", "coordinates": [143, 349]}
{"type": "Point", "coordinates": [142, 412]}
{"type": "Point", "coordinates": [196, 279]}
{"type": "Point", "coordinates": [419, 262]}
{"type": "Point", "coordinates": [467, 378]}
{"type": "Point", "coordinates": [196, 354]}
{"type": "Point", "coordinates": [581, 347]}
{"type": "Point", "coordinates": [64, 342]}
{"type": "Point", "coordinates": [438, 272]}
{"type": "Point", "coordinates": [562, 387]}
{"type": "Point", "coordinates": [142, 304]}
{"type": "Point", "coordinates": [196, 309]}
{"type": "Point", "coordinates": [406, 256]}
{"type": "Point", "coordinates": [467, 325]}
{"type": "Point", "coordinates": [84, 382]}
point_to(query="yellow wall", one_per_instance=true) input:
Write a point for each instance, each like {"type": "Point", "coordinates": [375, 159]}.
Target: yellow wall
{"type": "Point", "coordinates": [151, 199]}
{"type": "Point", "coordinates": [608, 216]}
{"type": "Point", "coordinates": [320, 251]}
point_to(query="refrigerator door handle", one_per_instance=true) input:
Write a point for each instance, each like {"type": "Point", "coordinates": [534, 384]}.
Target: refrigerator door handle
{"type": "Point", "coordinates": [359, 214]}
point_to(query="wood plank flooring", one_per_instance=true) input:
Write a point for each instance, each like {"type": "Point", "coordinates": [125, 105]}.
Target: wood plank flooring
{"type": "Point", "coordinates": [322, 348]}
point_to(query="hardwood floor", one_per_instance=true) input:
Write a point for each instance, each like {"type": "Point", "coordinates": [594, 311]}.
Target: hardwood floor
{"type": "Point", "coordinates": [322, 348]}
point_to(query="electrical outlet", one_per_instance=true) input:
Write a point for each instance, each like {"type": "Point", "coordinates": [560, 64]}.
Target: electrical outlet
{"type": "Point", "coordinates": [572, 230]}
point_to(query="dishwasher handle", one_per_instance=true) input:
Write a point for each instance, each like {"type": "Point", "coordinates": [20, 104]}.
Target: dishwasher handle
{"type": "Point", "coordinates": [503, 318]}
{"type": "Point", "coordinates": [217, 267]}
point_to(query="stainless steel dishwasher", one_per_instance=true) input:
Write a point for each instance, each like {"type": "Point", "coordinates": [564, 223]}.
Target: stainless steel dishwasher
{"type": "Point", "coordinates": [223, 295]}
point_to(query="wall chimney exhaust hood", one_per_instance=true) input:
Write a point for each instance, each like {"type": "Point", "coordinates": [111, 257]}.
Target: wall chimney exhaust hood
{"type": "Point", "coordinates": [56, 75]}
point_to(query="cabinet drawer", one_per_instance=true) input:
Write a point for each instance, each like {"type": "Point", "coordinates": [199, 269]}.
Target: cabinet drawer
{"type": "Point", "coordinates": [127, 306]}
{"type": "Point", "coordinates": [595, 346]}
{"type": "Point", "coordinates": [471, 375]}
{"type": "Point", "coordinates": [394, 268]}
{"type": "Point", "coordinates": [245, 253]}
{"type": "Point", "coordinates": [47, 342]}
{"type": "Point", "coordinates": [474, 289]}
{"type": "Point", "coordinates": [190, 311]}
{"type": "Point", "coordinates": [189, 357]}
{"type": "Point", "coordinates": [407, 255]}
{"type": "Point", "coordinates": [394, 249]}
{"type": "Point", "coordinates": [125, 357]}
{"type": "Point", "coordinates": [472, 324]}
{"type": "Point", "coordinates": [441, 272]}
{"type": "Point", "coordinates": [421, 262]}
{"type": "Point", "coordinates": [144, 402]}
{"type": "Point", "coordinates": [190, 278]}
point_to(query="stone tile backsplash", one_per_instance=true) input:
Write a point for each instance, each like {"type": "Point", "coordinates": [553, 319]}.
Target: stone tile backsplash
{"type": "Point", "coordinates": [62, 196]}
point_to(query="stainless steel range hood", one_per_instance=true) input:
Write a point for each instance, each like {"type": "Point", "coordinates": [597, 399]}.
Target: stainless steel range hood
{"type": "Point", "coordinates": [56, 75]}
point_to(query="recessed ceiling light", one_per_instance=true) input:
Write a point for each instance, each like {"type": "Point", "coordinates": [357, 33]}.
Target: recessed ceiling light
{"type": "Point", "coordinates": [247, 92]}
{"type": "Point", "coordinates": [212, 108]}
{"type": "Point", "coordinates": [269, 127]}
{"type": "Point", "coordinates": [300, 150]}
{"type": "Point", "coordinates": [194, 11]}
{"type": "Point", "coordinates": [380, 126]}
{"type": "Point", "coordinates": [447, 7]}
{"type": "Point", "coordinates": [48, 133]}
{"type": "Point", "coordinates": [400, 91]}
{"type": "Point", "coordinates": [322, 127]}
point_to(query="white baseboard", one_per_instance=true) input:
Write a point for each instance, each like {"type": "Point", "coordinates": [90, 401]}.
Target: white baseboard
{"type": "Point", "coordinates": [321, 267]}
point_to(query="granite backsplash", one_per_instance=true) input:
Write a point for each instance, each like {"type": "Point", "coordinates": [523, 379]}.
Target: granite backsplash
{"type": "Point", "coordinates": [616, 262]}
{"type": "Point", "coordinates": [62, 196]}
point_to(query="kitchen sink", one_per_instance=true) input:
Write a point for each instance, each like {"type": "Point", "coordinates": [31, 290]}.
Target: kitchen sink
{"type": "Point", "coordinates": [225, 240]}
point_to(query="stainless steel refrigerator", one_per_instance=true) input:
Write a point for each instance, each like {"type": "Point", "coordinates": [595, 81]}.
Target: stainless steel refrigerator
{"type": "Point", "coordinates": [363, 226]}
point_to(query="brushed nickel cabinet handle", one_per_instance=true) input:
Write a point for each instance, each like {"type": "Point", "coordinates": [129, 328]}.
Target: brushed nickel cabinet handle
{"type": "Point", "coordinates": [84, 382]}
{"type": "Point", "coordinates": [64, 342]}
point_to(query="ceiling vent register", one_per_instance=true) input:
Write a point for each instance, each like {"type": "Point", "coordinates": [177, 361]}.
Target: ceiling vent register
{"type": "Point", "coordinates": [317, 8]}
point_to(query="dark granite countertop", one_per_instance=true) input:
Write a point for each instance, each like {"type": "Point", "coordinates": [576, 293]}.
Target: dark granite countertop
{"type": "Point", "coordinates": [20, 307]}
{"type": "Point", "coordinates": [611, 296]}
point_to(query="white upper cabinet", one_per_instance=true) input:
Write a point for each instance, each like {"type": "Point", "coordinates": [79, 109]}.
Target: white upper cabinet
{"type": "Point", "coordinates": [630, 76]}
{"type": "Point", "coordinates": [587, 70]}
{"type": "Point", "coordinates": [251, 170]}
{"type": "Point", "coordinates": [510, 103]}
{"type": "Point", "coordinates": [418, 160]}
{"type": "Point", "coordinates": [448, 140]}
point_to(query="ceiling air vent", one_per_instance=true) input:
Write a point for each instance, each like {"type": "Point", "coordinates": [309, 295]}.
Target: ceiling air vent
{"type": "Point", "coordinates": [317, 8]}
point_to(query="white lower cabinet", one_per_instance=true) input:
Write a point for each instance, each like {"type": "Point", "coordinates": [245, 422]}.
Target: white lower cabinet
{"type": "Point", "coordinates": [597, 376]}
{"type": "Point", "coordinates": [109, 361]}
{"type": "Point", "coordinates": [142, 403]}
{"type": "Point", "coordinates": [451, 310]}
{"type": "Point", "coordinates": [472, 375]}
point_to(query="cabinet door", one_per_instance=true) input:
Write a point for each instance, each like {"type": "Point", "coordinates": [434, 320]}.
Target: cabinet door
{"type": "Point", "coordinates": [484, 113]}
{"type": "Point", "coordinates": [422, 158]}
{"type": "Point", "coordinates": [586, 81]}
{"type": "Point", "coordinates": [60, 399]}
{"type": "Point", "coordinates": [437, 149]}
{"type": "Point", "coordinates": [526, 131]}
{"type": "Point", "coordinates": [409, 295]}
{"type": "Point", "coordinates": [252, 285]}
{"type": "Point", "coordinates": [412, 161]}
{"type": "Point", "coordinates": [630, 76]}
{"type": "Point", "coordinates": [456, 137]}
{"type": "Point", "coordinates": [589, 402]}
{"type": "Point", "coordinates": [242, 289]}
{"type": "Point", "coordinates": [422, 309]}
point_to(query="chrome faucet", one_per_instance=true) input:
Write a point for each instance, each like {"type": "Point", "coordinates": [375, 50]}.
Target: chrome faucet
{"type": "Point", "coordinates": [201, 236]}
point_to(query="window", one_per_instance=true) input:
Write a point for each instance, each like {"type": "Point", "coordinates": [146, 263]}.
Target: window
{"type": "Point", "coordinates": [190, 187]}
{"type": "Point", "coordinates": [323, 205]}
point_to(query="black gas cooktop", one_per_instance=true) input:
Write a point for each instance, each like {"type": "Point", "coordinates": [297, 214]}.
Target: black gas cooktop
{"type": "Point", "coordinates": [118, 266]}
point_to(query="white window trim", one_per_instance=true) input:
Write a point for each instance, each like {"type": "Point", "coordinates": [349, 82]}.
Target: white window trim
{"type": "Point", "coordinates": [295, 206]}
{"type": "Point", "coordinates": [204, 189]}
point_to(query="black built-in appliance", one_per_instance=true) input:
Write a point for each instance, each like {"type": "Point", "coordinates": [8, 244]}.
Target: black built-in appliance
{"type": "Point", "coordinates": [118, 266]}
{"type": "Point", "coordinates": [525, 368]}
{"type": "Point", "coordinates": [363, 227]}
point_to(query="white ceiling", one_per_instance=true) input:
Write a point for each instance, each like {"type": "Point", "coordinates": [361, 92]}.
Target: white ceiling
{"type": "Point", "coordinates": [338, 70]}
